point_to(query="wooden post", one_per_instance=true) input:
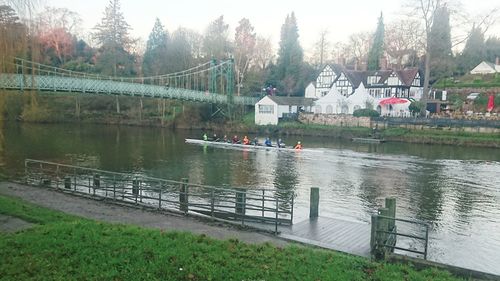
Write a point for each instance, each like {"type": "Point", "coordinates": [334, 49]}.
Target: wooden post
{"type": "Point", "coordinates": [390, 204]}
{"type": "Point", "coordinates": [241, 197]}
{"type": "Point", "coordinates": [97, 182]}
{"type": "Point", "coordinates": [183, 195]}
{"type": "Point", "coordinates": [135, 188]}
{"type": "Point", "coordinates": [382, 225]}
{"type": "Point", "coordinates": [373, 235]}
{"type": "Point", "coordinates": [67, 182]}
{"type": "Point", "coordinates": [314, 203]}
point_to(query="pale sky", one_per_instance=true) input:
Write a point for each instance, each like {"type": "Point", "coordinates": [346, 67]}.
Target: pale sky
{"type": "Point", "coordinates": [340, 18]}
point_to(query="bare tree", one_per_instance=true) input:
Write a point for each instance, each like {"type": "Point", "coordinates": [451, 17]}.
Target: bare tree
{"type": "Point", "coordinates": [402, 39]}
{"type": "Point", "coordinates": [263, 52]}
{"type": "Point", "coordinates": [358, 46]}
{"type": "Point", "coordinates": [425, 10]}
{"type": "Point", "coordinates": [321, 49]}
{"type": "Point", "coordinates": [244, 50]}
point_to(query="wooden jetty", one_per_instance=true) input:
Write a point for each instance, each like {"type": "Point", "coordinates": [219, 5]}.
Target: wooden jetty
{"type": "Point", "coordinates": [368, 140]}
{"type": "Point", "coordinates": [335, 234]}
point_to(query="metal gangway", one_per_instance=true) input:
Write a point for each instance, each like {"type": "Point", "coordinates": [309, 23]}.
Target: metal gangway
{"type": "Point", "coordinates": [264, 206]}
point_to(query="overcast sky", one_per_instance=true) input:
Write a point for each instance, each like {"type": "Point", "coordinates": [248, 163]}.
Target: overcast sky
{"type": "Point", "coordinates": [340, 18]}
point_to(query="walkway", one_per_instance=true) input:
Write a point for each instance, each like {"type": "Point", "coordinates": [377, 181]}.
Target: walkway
{"type": "Point", "coordinates": [340, 235]}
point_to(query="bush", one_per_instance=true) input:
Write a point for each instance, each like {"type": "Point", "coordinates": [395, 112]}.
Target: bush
{"type": "Point", "coordinates": [415, 107]}
{"type": "Point", "coordinates": [365, 112]}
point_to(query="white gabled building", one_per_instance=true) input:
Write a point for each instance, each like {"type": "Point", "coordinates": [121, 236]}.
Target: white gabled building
{"type": "Point", "coordinates": [270, 109]}
{"type": "Point", "coordinates": [360, 99]}
{"type": "Point", "coordinates": [323, 83]}
{"type": "Point", "coordinates": [487, 67]}
{"type": "Point", "coordinates": [333, 103]}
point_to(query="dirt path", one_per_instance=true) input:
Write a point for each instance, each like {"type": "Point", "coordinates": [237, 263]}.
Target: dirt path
{"type": "Point", "coordinates": [108, 212]}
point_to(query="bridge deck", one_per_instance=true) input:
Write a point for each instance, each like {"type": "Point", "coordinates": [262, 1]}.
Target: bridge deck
{"type": "Point", "coordinates": [340, 235]}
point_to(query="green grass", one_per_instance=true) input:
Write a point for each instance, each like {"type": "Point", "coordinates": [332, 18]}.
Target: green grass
{"type": "Point", "coordinates": [67, 248]}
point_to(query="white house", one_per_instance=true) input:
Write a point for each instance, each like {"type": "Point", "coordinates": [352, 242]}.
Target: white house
{"type": "Point", "coordinates": [323, 83]}
{"type": "Point", "coordinates": [360, 99]}
{"type": "Point", "coordinates": [333, 103]}
{"type": "Point", "coordinates": [270, 109]}
{"type": "Point", "coordinates": [487, 67]}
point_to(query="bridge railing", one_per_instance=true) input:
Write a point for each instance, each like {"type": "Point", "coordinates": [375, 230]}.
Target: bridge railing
{"type": "Point", "coordinates": [262, 205]}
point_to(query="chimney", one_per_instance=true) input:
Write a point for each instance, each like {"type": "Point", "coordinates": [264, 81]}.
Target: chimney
{"type": "Point", "coordinates": [497, 61]}
{"type": "Point", "coordinates": [383, 63]}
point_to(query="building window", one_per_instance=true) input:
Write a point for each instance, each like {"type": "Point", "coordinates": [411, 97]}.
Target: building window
{"type": "Point", "coordinates": [266, 109]}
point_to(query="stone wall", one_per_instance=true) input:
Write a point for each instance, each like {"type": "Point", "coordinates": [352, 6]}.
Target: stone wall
{"type": "Point", "coordinates": [340, 120]}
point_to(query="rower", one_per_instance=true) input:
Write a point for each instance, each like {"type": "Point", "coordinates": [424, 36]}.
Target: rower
{"type": "Point", "coordinates": [268, 142]}
{"type": "Point", "coordinates": [246, 141]}
{"type": "Point", "coordinates": [280, 144]}
{"type": "Point", "coordinates": [205, 137]}
{"type": "Point", "coordinates": [235, 139]}
{"type": "Point", "coordinates": [298, 146]}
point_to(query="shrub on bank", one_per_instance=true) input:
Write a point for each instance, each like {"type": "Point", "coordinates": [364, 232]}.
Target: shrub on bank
{"type": "Point", "coordinates": [365, 112]}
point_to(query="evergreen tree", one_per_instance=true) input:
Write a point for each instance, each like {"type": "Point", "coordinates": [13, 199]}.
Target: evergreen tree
{"type": "Point", "coordinates": [377, 48]}
{"type": "Point", "coordinates": [155, 56]}
{"type": "Point", "coordinates": [474, 51]}
{"type": "Point", "coordinates": [290, 57]}
{"type": "Point", "coordinates": [492, 47]}
{"type": "Point", "coordinates": [112, 34]}
{"type": "Point", "coordinates": [440, 45]}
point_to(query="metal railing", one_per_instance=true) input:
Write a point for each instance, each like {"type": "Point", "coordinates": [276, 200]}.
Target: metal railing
{"type": "Point", "coordinates": [385, 233]}
{"type": "Point", "coordinates": [262, 205]}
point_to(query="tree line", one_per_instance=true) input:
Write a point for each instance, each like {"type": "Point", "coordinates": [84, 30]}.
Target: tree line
{"type": "Point", "coordinates": [423, 39]}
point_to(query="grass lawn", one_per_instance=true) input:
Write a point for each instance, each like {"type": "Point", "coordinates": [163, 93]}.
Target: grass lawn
{"type": "Point", "coordinates": [64, 247]}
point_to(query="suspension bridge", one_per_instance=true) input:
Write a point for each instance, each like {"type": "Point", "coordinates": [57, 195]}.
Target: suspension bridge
{"type": "Point", "coordinates": [211, 82]}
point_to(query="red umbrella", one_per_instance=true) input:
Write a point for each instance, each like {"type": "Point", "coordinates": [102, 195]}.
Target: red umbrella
{"type": "Point", "coordinates": [393, 100]}
{"type": "Point", "coordinates": [491, 103]}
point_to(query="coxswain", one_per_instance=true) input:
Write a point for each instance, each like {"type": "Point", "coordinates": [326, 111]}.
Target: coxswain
{"type": "Point", "coordinates": [235, 139]}
{"type": "Point", "coordinates": [298, 145]}
{"type": "Point", "coordinates": [280, 144]}
{"type": "Point", "coordinates": [205, 137]}
{"type": "Point", "coordinates": [246, 141]}
{"type": "Point", "coordinates": [268, 142]}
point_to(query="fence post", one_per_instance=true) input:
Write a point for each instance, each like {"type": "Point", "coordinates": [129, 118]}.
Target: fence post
{"type": "Point", "coordinates": [382, 225]}
{"type": "Point", "coordinates": [314, 203]}
{"type": "Point", "coordinates": [67, 182]}
{"type": "Point", "coordinates": [114, 187]}
{"type": "Point", "coordinates": [390, 204]}
{"type": "Point", "coordinates": [97, 182]}
{"type": "Point", "coordinates": [426, 240]}
{"type": "Point", "coordinates": [212, 202]}
{"type": "Point", "coordinates": [135, 188]}
{"type": "Point", "coordinates": [240, 201]}
{"type": "Point", "coordinates": [373, 235]}
{"type": "Point", "coordinates": [159, 198]}
{"type": "Point", "coordinates": [183, 195]}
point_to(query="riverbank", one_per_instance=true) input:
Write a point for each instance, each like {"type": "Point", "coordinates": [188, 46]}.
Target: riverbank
{"type": "Point", "coordinates": [62, 246]}
{"type": "Point", "coordinates": [60, 108]}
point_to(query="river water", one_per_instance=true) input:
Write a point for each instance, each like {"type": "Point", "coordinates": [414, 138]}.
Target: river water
{"type": "Point", "coordinates": [455, 189]}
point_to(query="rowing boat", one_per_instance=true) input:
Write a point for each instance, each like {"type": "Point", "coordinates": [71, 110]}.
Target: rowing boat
{"type": "Point", "coordinates": [236, 145]}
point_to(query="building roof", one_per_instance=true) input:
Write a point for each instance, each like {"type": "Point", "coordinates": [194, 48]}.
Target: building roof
{"type": "Point", "coordinates": [299, 101]}
{"type": "Point", "coordinates": [407, 75]}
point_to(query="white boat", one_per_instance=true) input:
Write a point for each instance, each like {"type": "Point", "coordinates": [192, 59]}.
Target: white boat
{"type": "Point", "coordinates": [239, 146]}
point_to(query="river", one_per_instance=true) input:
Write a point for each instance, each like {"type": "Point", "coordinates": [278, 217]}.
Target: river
{"type": "Point", "coordinates": [455, 189]}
